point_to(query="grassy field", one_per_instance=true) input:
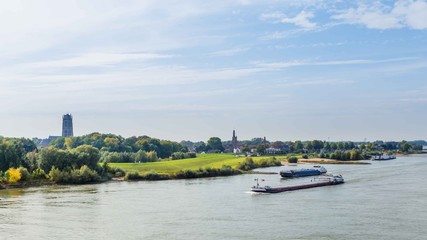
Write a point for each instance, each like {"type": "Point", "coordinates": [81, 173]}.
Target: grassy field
{"type": "Point", "coordinates": [202, 161]}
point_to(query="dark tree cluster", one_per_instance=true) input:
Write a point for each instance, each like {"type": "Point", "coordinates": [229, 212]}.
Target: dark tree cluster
{"type": "Point", "coordinates": [116, 143]}
{"type": "Point", "coordinates": [13, 152]}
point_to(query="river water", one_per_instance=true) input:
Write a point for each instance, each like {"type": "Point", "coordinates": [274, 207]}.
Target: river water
{"type": "Point", "coordinates": [385, 200]}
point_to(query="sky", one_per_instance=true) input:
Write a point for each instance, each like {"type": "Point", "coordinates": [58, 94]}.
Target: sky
{"type": "Point", "coordinates": [189, 70]}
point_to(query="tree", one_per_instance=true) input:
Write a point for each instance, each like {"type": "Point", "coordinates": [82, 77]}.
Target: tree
{"type": "Point", "coordinates": [31, 161]}
{"type": "Point", "coordinates": [215, 143]}
{"type": "Point", "coordinates": [152, 156]}
{"type": "Point", "coordinates": [354, 155]}
{"type": "Point", "coordinates": [12, 153]}
{"type": "Point", "coordinates": [317, 145]}
{"type": "Point", "coordinates": [298, 146]}
{"type": "Point", "coordinates": [28, 145]}
{"type": "Point", "coordinates": [201, 147]}
{"type": "Point", "coordinates": [278, 144]}
{"type": "Point", "coordinates": [141, 156]}
{"type": "Point", "coordinates": [327, 146]}
{"type": "Point", "coordinates": [58, 143]}
{"type": "Point", "coordinates": [405, 146]}
{"type": "Point", "coordinates": [86, 155]}
{"type": "Point", "coordinates": [309, 146]}
{"type": "Point", "coordinates": [260, 149]}
{"type": "Point", "coordinates": [54, 157]}
{"type": "Point", "coordinates": [292, 160]}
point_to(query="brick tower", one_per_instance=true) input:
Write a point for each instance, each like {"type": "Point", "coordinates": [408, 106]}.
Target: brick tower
{"type": "Point", "coordinates": [67, 125]}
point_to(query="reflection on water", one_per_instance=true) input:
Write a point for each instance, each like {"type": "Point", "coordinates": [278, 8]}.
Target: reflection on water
{"type": "Point", "coordinates": [10, 193]}
{"type": "Point", "coordinates": [376, 202]}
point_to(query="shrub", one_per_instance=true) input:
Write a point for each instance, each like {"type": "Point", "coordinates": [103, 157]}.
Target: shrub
{"type": "Point", "coordinates": [186, 174]}
{"type": "Point", "coordinates": [152, 175]}
{"type": "Point", "coordinates": [76, 176]}
{"type": "Point", "coordinates": [85, 175]}
{"type": "Point", "coordinates": [13, 175]}
{"type": "Point", "coordinates": [212, 172]}
{"type": "Point", "coordinates": [177, 155]}
{"type": "Point", "coordinates": [226, 170]}
{"type": "Point", "coordinates": [246, 165]}
{"type": "Point", "coordinates": [293, 160]}
{"type": "Point", "coordinates": [118, 172]}
{"type": "Point", "coordinates": [132, 176]}
{"type": "Point", "coordinates": [39, 174]}
{"type": "Point", "coordinates": [305, 156]}
{"type": "Point", "coordinates": [182, 155]}
{"type": "Point", "coordinates": [25, 175]}
{"type": "Point", "coordinates": [268, 162]}
{"type": "Point", "coordinates": [118, 157]}
{"type": "Point", "coordinates": [54, 174]}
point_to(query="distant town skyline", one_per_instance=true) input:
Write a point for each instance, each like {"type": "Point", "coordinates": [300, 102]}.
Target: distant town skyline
{"type": "Point", "coordinates": [190, 70]}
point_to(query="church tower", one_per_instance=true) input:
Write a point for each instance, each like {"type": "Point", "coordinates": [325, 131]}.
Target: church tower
{"type": "Point", "coordinates": [67, 125]}
{"type": "Point", "coordinates": [234, 140]}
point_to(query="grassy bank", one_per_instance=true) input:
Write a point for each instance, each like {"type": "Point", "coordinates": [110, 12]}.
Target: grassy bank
{"type": "Point", "coordinates": [215, 161]}
{"type": "Point", "coordinates": [202, 161]}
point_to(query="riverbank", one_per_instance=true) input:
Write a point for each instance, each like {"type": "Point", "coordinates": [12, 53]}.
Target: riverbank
{"type": "Point", "coordinates": [205, 165]}
{"type": "Point", "coordinates": [329, 161]}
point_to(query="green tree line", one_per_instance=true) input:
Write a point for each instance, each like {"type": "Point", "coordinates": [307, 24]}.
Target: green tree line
{"type": "Point", "coordinates": [20, 160]}
{"type": "Point", "coordinates": [116, 143]}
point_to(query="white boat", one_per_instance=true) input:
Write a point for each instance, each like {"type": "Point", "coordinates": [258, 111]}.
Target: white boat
{"type": "Point", "coordinates": [383, 157]}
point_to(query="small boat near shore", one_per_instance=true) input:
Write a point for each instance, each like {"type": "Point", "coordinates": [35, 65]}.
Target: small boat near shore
{"type": "Point", "coordinates": [290, 173]}
{"type": "Point", "coordinates": [316, 182]}
{"type": "Point", "coordinates": [383, 157]}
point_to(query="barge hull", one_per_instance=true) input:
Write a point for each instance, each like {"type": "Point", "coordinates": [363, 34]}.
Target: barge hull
{"type": "Point", "coordinates": [293, 188]}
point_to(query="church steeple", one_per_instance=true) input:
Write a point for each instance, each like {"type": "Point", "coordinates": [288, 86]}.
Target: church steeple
{"type": "Point", "coordinates": [234, 140]}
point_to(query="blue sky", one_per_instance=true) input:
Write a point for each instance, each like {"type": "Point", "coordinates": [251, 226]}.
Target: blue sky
{"type": "Point", "coordinates": [287, 70]}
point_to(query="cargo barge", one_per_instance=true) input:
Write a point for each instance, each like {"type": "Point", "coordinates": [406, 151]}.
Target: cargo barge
{"type": "Point", "coordinates": [316, 170]}
{"type": "Point", "coordinates": [316, 182]}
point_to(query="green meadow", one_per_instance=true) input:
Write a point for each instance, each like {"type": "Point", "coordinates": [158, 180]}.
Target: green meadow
{"type": "Point", "coordinates": [173, 166]}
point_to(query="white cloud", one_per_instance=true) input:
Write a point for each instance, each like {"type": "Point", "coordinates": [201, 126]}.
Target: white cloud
{"type": "Point", "coordinates": [148, 25]}
{"type": "Point", "coordinates": [97, 60]}
{"type": "Point", "coordinates": [283, 34]}
{"type": "Point", "coordinates": [302, 19]}
{"type": "Point", "coordinates": [229, 52]}
{"type": "Point", "coordinates": [280, 65]}
{"type": "Point", "coordinates": [413, 13]}
{"type": "Point", "coordinates": [404, 13]}
{"type": "Point", "coordinates": [372, 16]}
{"type": "Point", "coordinates": [313, 82]}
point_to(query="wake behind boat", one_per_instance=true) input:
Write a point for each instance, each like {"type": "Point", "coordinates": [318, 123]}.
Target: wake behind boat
{"type": "Point", "coordinates": [316, 170]}
{"type": "Point", "coordinates": [316, 182]}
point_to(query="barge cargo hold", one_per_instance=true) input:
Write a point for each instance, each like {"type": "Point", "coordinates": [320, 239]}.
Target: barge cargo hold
{"type": "Point", "coordinates": [316, 170]}
{"type": "Point", "coordinates": [316, 182]}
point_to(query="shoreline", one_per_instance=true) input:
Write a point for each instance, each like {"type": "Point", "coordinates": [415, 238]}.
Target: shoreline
{"type": "Point", "coordinates": [121, 179]}
{"type": "Point", "coordinates": [326, 161]}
